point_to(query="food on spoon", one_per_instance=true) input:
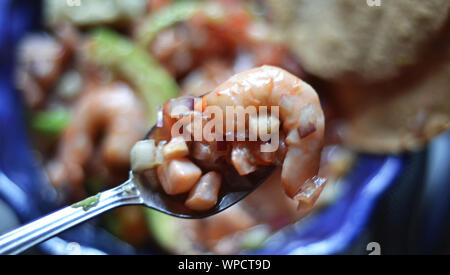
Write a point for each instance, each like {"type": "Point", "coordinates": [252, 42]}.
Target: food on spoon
{"type": "Point", "coordinates": [291, 115]}
{"type": "Point", "coordinates": [242, 159]}
{"type": "Point", "coordinates": [178, 176]}
{"type": "Point", "coordinates": [153, 47]}
{"type": "Point", "coordinates": [176, 148]}
{"type": "Point", "coordinates": [143, 155]}
{"type": "Point", "coordinates": [204, 194]}
{"type": "Point", "coordinates": [299, 108]}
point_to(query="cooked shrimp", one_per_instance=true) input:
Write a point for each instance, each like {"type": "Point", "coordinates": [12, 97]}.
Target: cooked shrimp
{"type": "Point", "coordinates": [113, 110]}
{"type": "Point", "coordinates": [300, 114]}
{"type": "Point", "coordinates": [38, 72]}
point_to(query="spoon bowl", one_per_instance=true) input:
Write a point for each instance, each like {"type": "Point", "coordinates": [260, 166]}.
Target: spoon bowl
{"type": "Point", "coordinates": [174, 205]}
{"type": "Point", "coordinates": [235, 188]}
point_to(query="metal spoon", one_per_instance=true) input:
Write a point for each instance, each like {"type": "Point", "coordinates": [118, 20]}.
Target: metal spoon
{"type": "Point", "coordinates": [134, 191]}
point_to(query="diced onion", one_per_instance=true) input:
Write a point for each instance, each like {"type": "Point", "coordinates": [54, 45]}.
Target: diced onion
{"type": "Point", "coordinates": [143, 155]}
{"type": "Point", "coordinates": [176, 148]}
{"type": "Point", "coordinates": [181, 105]}
{"type": "Point", "coordinates": [159, 156]}
{"type": "Point", "coordinates": [159, 122]}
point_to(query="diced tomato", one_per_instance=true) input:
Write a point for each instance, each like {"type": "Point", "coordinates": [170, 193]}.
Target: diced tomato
{"type": "Point", "coordinates": [176, 148]}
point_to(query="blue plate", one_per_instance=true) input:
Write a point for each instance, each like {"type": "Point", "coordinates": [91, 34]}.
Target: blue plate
{"type": "Point", "coordinates": [24, 187]}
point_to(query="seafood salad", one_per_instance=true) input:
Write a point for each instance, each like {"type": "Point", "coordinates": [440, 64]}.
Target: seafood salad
{"type": "Point", "coordinates": [232, 87]}
{"type": "Point", "coordinates": [289, 104]}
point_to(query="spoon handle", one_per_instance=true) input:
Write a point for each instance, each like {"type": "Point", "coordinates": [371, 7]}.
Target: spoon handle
{"type": "Point", "coordinates": [48, 226]}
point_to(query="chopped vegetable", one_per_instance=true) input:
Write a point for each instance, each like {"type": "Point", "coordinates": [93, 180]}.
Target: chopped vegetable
{"type": "Point", "coordinates": [165, 18]}
{"type": "Point", "coordinates": [173, 14]}
{"type": "Point", "coordinates": [178, 176]}
{"type": "Point", "coordinates": [159, 157]}
{"type": "Point", "coordinates": [254, 238]}
{"type": "Point", "coordinates": [159, 117]}
{"type": "Point", "coordinates": [51, 122]}
{"type": "Point", "coordinates": [143, 155]}
{"type": "Point", "coordinates": [176, 148]}
{"type": "Point", "coordinates": [204, 195]}
{"type": "Point", "coordinates": [87, 203]}
{"type": "Point", "coordinates": [181, 105]}
{"type": "Point", "coordinates": [92, 12]}
{"type": "Point", "coordinates": [153, 82]}
{"type": "Point", "coordinates": [169, 232]}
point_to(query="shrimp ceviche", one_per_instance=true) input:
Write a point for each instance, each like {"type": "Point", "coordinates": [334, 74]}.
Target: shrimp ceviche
{"type": "Point", "coordinates": [195, 166]}
{"type": "Point", "coordinates": [227, 97]}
